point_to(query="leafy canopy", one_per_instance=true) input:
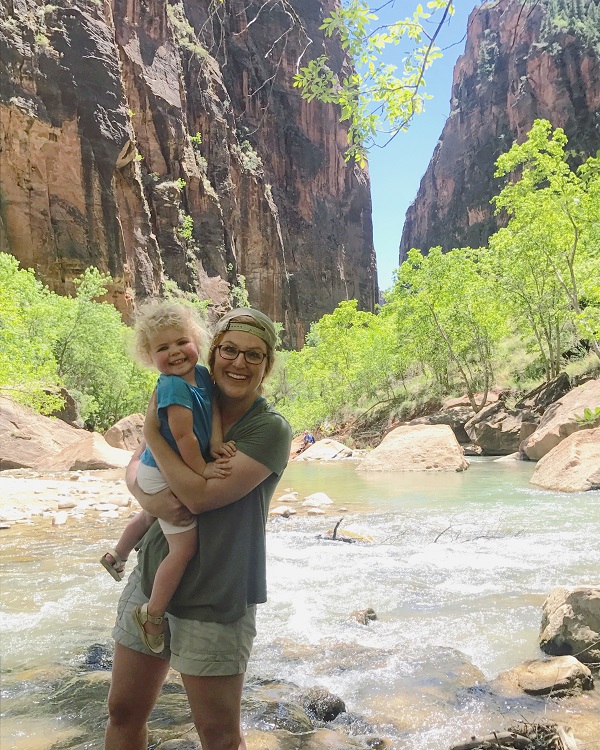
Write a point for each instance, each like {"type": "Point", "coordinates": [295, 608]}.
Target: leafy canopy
{"type": "Point", "coordinates": [374, 97]}
{"type": "Point", "coordinates": [48, 342]}
{"type": "Point", "coordinates": [554, 228]}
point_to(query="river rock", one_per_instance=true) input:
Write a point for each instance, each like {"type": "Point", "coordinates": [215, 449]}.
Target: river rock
{"type": "Point", "coordinates": [127, 433]}
{"type": "Point", "coordinates": [325, 450]}
{"type": "Point", "coordinates": [27, 437]}
{"type": "Point", "coordinates": [455, 417]}
{"type": "Point", "coordinates": [91, 452]}
{"type": "Point", "coordinates": [322, 705]}
{"type": "Point", "coordinates": [364, 616]}
{"type": "Point", "coordinates": [317, 500]}
{"type": "Point", "coordinates": [560, 676]}
{"type": "Point", "coordinates": [571, 623]}
{"type": "Point", "coordinates": [60, 518]}
{"type": "Point", "coordinates": [540, 398]}
{"type": "Point", "coordinates": [499, 430]}
{"type": "Point", "coordinates": [98, 656]}
{"type": "Point", "coordinates": [66, 503]}
{"type": "Point", "coordinates": [560, 419]}
{"type": "Point", "coordinates": [289, 497]}
{"type": "Point", "coordinates": [573, 465]}
{"type": "Point", "coordinates": [283, 511]}
{"type": "Point", "coordinates": [281, 714]}
{"type": "Point", "coordinates": [417, 448]}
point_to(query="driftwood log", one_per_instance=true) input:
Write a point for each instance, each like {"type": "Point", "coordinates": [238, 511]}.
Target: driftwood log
{"type": "Point", "coordinates": [495, 741]}
{"type": "Point", "coordinates": [335, 537]}
{"type": "Point", "coordinates": [524, 737]}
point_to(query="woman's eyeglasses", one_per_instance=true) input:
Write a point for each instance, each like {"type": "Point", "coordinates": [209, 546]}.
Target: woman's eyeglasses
{"type": "Point", "coordinates": [252, 356]}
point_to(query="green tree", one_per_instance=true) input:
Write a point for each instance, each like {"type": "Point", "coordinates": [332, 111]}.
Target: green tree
{"type": "Point", "coordinates": [350, 359]}
{"type": "Point", "coordinates": [28, 371]}
{"type": "Point", "coordinates": [48, 342]}
{"type": "Point", "coordinates": [90, 348]}
{"type": "Point", "coordinates": [553, 228]}
{"type": "Point", "coordinates": [450, 316]}
{"type": "Point", "coordinates": [373, 97]}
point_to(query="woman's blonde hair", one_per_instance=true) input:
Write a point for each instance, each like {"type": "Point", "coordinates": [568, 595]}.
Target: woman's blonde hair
{"type": "Point", "coordinates": [156, 315]}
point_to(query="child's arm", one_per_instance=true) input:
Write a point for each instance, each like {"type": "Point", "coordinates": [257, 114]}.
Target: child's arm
{"type": "Point", "coordinates": [219, 449]}
{"type": "Point", "coordinates": [181, 424]}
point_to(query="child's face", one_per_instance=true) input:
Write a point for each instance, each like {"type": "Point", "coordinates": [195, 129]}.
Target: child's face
{"type": "Point", "coordinates": [173, 352]}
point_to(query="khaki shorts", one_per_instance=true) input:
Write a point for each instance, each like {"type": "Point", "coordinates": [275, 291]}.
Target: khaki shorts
{"type": "Point", "coordinates": [194, 648]}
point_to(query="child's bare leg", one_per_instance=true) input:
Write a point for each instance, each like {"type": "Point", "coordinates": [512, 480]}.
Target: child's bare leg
{"type": "Point", "coordinates": [132, 534]}
{"type": "Point", "coordinates": [182, 547]}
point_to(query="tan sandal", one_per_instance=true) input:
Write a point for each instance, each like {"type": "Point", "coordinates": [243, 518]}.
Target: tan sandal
{"type": "Point", "coordinates": [155, 642]}
{"type": "Point", "coordinates": [116, 568]}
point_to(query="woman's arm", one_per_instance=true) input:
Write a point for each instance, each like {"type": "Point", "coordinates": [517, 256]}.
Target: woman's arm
{"type": "Point", "coordinates": [195, 492]}
{"type": "Point", "coordinates": [162, 505]}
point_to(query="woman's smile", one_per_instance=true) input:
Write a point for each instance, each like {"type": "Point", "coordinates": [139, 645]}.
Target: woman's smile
{"type": "Point", "coordinates": [236, 378]}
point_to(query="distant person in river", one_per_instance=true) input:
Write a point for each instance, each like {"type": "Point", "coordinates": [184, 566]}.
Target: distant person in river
{"type": "Point", "coordinates": [169, 337]}
{"type": "Point", "coordinates": [210, 620]}
{"type": "Point", "coordinates": [307, 440]}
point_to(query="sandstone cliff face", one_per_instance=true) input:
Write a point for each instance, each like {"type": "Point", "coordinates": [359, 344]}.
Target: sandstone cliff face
{"type": "Point", "coordinates": [100, 110]}
{"type": "Point", "coordinates": [510, 74]}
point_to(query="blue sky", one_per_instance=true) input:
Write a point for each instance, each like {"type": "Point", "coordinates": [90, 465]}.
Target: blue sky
{"type": "Point", "coordinates": [397, 169]}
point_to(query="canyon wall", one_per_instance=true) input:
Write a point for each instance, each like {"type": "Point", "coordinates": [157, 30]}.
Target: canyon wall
{"type": "Point", "coordinates": [522, 61]}
{"type": "Point", "coordinates": [164, 143]}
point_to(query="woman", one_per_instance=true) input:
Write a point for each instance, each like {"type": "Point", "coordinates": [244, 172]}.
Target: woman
{"type": "Point", "coordinates": [211, 618]}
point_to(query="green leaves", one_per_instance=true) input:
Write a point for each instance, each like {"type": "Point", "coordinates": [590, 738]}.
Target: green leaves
{"type": "Point", "coordinates": [350, 358]}
{"type": "Point", "coordinates": [376, 100]}
{"type": "Point", "coordinates": [549, 251]}
{"type": "Point", "coordinates": [449, 314]}
{"type": "Point", "coordinates": [28, 371]}
{"type": "Point", "coordinates": [589, 418]}
{"type": "Point", "coordinates": [48, 342]}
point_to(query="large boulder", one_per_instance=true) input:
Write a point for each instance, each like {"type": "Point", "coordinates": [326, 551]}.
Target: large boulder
{"type": "Point", "coordinates": [417, 448]}
{"type": "Point", "coordinates": [499, 430]}
{"type": "Point", "coordinates": [573, 465]}
{"type": "Point", "coordinates": [68, 412]}
{"type": "Point", "coordinates": [560, 419]}
{"type": "Point", "coordinates": [540, 398]}
{"type": "Point", "coordinates": [127, 433]}
{"type": "Point", "coordinates": [27, 437]}
{"type": "Point", "coordinates": [325, 450]}
{"type": "Point", "coordinates": [560, 677]}
{"type": "Point", "coordinates": [571, 623]}
{"type": "Point", "coordinates": [90, 452]}
{"type": "Point", "coordinates": [455, 417]}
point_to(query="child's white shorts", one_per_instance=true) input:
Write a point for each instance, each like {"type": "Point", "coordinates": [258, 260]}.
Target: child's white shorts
{"type": "Point", "coordinates": [152, 481]}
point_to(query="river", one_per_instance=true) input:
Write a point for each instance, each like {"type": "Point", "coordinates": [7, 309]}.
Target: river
{"type": "Point", "coordinates": [457, 571]}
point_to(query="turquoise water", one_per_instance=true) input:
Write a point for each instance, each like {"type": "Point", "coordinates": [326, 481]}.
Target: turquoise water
{"type": "Point", "coordinates": [457, 568]}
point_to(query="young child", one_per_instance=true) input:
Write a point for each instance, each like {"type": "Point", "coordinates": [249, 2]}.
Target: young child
{"type": "Point", "coordinates": [169, 337]}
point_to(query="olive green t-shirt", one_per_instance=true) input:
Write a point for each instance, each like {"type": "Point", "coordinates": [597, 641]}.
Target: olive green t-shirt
{"type": "Point", "coordinates": [228, 572]}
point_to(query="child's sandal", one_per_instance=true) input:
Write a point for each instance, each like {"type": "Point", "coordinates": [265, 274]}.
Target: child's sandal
{"type": "Point", "coordinates": [115, 568]}
{"type": "Point", "coordinates": [155, 642]}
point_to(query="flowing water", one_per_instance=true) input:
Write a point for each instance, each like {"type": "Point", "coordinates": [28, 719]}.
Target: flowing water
{"type": "Point", "coordinates": [457, 569]}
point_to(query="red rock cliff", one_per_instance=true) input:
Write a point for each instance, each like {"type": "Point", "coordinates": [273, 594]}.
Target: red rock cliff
{"type": "Point", "coordinates": [514, 70]}
{"type": "Point", "coordinates": [101, 164]}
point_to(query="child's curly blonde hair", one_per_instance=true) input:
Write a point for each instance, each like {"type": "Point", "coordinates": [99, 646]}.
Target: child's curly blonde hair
{"type": "Point", "coordinates": [156, 315]}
